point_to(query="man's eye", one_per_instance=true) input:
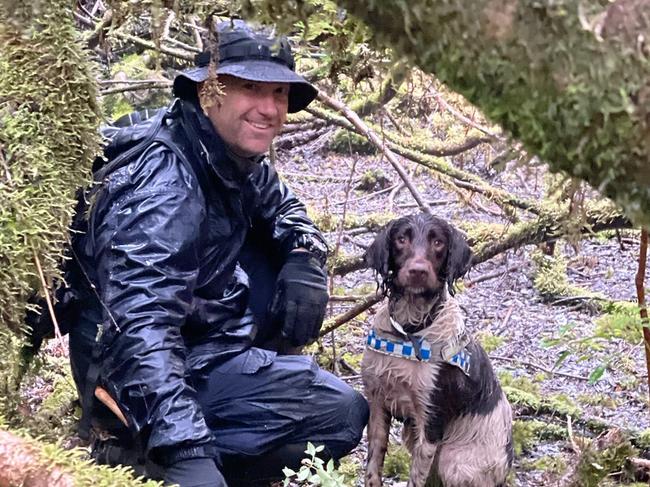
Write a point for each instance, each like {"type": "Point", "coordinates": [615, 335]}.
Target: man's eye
{"type": "Point", "coordinates": [249, 86]}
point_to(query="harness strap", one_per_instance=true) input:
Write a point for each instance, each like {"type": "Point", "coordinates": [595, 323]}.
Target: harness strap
{"type": "Point", "coordinates": [419, 349]}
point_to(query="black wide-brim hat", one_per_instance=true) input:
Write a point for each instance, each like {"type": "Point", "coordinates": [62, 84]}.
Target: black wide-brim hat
{"type": "Point", "coordinates": [250, 54]}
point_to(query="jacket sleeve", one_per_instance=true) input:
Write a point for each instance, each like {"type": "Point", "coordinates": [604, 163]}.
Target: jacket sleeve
{"type": "Point", "coordinates": [282, 215]}
{"type": "Point", "coordinates": [145, 236]}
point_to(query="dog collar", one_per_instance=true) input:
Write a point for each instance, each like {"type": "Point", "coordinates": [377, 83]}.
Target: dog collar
{"type": "Point", "coordinates": [418, 349]}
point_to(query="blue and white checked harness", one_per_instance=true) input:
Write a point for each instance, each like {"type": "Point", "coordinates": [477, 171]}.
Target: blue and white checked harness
{"type": "Point", "coordinates": [420, 350]}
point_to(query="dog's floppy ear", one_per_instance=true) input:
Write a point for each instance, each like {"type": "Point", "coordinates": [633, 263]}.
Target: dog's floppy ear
{"type": "Point", "coordinates": [377, 256]}
{"type": "Point", "coordinates": [459, 258]}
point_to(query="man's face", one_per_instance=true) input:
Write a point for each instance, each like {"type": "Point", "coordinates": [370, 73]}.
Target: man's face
{"type": "Point", "coordinates": [250, 114]}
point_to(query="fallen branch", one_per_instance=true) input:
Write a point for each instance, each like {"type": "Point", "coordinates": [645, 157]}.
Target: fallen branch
{"type": "Point", "coordinates": [353, 118]}
{"type": "Point", "coordinates": [334, 323]}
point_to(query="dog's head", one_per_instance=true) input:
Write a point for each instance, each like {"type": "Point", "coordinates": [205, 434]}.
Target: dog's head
{"type": "Point", "coordinates": [419, 254]}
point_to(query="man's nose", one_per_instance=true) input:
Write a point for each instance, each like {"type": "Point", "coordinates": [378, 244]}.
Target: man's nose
{"type": "Point", "coordinates": [266, 104]}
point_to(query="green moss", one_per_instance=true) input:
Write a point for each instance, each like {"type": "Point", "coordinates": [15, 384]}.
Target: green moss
{"type": "Point", "coordinates": [489, 341]}
{"type": "Point", "coordinates": [373, 180]}
{"type": "Point", "coordinates": [351, 469]}
{"type": "Point", "coordinates": [345, 142]}
{"type": "Point", "coordinates": [621, 320]}
{"type": "Point", "coordinates": [397, 463]}
{"type": "Point", "coordinates": [604, 456]}
{"type": "Point", "coordinates": [48, 139]}
{"type": "Point", "coordinates": [643, 439]}
{"type": "Point", "coordinates": [548, 463]}
{"type": "Point", "coordinates": [603, 400]}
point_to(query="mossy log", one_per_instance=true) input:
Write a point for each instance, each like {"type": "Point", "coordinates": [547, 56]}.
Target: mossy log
{"type": "Point", "coordinates": [48, 139]}
{"type": "Point", "coordinates": [548, 226]}
{"type": "Point", "coordinates": [570, 80]}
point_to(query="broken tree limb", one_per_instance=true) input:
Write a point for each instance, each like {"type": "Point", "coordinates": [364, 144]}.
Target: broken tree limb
{"type": "Point", "coordinates": [353, 118]}
{"type": "Point", "coordinates": [547, 227]}
{"type": "Point", "coordinates": [420, 155]}
{"type": "Point", "coordinates": [333, 323]}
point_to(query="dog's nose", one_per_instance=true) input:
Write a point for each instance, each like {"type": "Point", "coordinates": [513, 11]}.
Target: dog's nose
{"type": "Point", "coordinates": [418, 271]}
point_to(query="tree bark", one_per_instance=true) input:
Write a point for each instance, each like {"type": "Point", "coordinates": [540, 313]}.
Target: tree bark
{"type": "Point", "coordinates": [21, 464]}
{"type": "Point", "coordinates": [570, 80]}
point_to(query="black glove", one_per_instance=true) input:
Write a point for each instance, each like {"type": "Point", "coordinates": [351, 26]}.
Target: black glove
{"type": "Point", "coordinates": [194, 472]}
{"type": "Point", "coordinates": [300, 298]}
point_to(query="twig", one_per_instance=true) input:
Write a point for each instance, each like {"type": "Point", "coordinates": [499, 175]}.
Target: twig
{"type": "Point", "coordinates": [334, 323]}
{"type": "Point", "coordinates": [393, 194]}
{"type": "Point", "coordinates": [337, 247]}
{"type": "Point", "coordinates": [46, 293]}
{"type": "Point", "coordinates": [491, 275]}
{"type": "Point", "coordinates": [569, 299]}
{"type": "Point", "coordinates": [365, 130]}
{"type": "Point", "coordinates": [151, 45]}
{"type": "Point", "coordinates": [640, 293]}
{"type": "Point", "coordinates": [156, 85]}
{"type": "Point", "coordinates": [345, 299]}
{"type": "Point", "coordinates": [539, 367]}
{"type": "Point", "coordinates": [441, 101]}
{"type": "Point", "coordinates": [368, 196]}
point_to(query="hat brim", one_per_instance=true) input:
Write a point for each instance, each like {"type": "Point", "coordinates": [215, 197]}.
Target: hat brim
{"type": "Point", "coordinates": [301, 92]}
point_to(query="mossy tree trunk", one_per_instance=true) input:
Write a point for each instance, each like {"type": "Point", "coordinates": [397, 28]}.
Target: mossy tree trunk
{"type": "Point", "coordinates": [48, 137]}
{"type": "Point", "coordinates": [570, 79]}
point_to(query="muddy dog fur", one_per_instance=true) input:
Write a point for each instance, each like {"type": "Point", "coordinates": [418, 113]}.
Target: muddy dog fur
{"type": "Point", "coordinates": [457, 422]}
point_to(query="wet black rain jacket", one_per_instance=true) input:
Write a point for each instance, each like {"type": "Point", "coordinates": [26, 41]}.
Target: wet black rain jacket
{"type": "Point", "coordinates": [161, 248]}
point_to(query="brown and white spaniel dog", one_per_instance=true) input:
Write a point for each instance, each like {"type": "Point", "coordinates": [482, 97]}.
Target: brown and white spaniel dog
{"type": "Point", "coordinates": [422, 367]}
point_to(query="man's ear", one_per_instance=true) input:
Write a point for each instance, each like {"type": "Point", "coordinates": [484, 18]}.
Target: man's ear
{"type": "Point", "coordinates": [459, 258]}
{"type": "Point", "coordinates": [377, 256]}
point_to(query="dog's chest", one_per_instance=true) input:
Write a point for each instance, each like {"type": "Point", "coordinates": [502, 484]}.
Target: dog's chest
{"type": "Point", "coordinates": [404, 386]}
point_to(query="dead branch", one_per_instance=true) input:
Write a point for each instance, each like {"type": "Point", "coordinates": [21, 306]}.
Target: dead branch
{"type": "Point", "coordinates": [441, 101]}
{"type": "Point", "coordinates": [640, 293]}
{"type": "Point", "coordinates": [333, 323]}
{"type": "Point", "coordinates": [177, 53]}
{"type": "Point", "coordinates": [456, 176]}
{"type": "Point", "coordinates": [151, 85]}
{"type": "Point", "coordinates": [353, 118]}
{"type": "Point", "coordinates": [22, 464]}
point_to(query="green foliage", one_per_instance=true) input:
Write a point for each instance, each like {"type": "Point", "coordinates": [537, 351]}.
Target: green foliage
{"type": "Point", "coordinates": [489, 341]}
{"type": "Point", "coordinates": [522, 392]}
{"type": "Point", "coordinates": [314, 471]}
{"type": "Point", "coordinates": [602, 457]}
{"type": "Point", "coordinates": [345, 142]}
{"type": "Point", "coordinates": [551, 276]}
{"type": "Point", "coordinates": [397, 463]}
{"type": "Point", "coordinates": [526, 434]}
{"type": "Point", "coordinates": [621, 320]}
{"type": "Point", "coordinates": [540, 71]}
{"type": "Point", "coordinates": [547, 463]}
{"type": "Point", "coordinates": [643, 439]}
{"type": "Point", "coordinates": [48, 138]}
{"type": "Point", "coordinates": [373, 180]}
{"type": "Point", "coordinates": [134, 67]}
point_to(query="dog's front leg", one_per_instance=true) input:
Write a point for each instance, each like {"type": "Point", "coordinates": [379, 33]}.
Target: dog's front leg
{"type": "Point", "coordinates": [421, 461]}
{"type": "Point", "coordinates": [378, 427]}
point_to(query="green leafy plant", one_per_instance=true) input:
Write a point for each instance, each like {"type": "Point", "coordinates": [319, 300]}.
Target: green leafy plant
{"type": "Point", "coordinates": [314, 471]}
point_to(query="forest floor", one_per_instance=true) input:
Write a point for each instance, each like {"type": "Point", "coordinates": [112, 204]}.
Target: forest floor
{"type": "Point", "coordinates": [525, 332]}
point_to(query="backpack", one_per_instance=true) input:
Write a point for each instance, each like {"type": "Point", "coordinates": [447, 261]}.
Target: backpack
{"type": "Point", "coordinates": [126, 139]}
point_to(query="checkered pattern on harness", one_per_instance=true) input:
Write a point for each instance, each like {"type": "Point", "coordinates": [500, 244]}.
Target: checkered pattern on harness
{"type": "Point", "coordinates": [407, 350]}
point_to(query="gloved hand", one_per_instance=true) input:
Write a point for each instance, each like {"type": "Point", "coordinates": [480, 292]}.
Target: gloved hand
{"type": "Point", "coordinates": [194, 472]}
{"type": "Point", "coordinates": [300, 298]}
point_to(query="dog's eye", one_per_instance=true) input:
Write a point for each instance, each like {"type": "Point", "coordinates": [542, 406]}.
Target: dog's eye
{"type": "Point", "coordinates": [401, 239]}
{"type": "Point", "coordinates": [437, 243]}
